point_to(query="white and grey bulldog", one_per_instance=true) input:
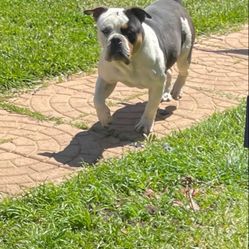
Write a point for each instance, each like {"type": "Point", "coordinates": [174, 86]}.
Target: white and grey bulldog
{"type": "Point", "coordinates": [138, 49]}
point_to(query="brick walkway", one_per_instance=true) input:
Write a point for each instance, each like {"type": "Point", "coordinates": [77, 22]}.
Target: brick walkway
{"type": "Point", "coordinates": [33, 152]}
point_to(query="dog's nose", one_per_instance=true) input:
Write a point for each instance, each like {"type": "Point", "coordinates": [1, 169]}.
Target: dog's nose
{"type": "Point", "coordinates": [115, 41]}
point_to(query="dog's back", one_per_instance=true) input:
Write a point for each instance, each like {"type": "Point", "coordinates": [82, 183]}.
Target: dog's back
{"type": "Point", "coordinates": [167, 16]}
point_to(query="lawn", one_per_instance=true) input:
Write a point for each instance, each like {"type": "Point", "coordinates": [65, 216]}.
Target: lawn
{"type": "Point", "coordinates": [188, 190]}
{"type": "Point", "coordinates": [41, 39]}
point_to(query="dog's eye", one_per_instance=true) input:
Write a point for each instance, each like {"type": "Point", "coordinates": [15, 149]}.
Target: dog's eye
{"type": "Point", "coordinates": [106, 31]}
{"type": "Point", "coordinates": [124, 31]}
{"type": "Point", "coordinates": [129, 33]}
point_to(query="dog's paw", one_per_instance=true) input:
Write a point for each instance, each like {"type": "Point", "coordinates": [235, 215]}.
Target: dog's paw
{"type": "Point", "coordinates": [166, 97]}
{"type": "Point", "coordinates": [106, 120]}
{"type": "Point", "coordinates": [104, 116]}
{"type": "Point", "coordinates": [176, 94]}
{"type": "Point", "coordinates": [144, 126]}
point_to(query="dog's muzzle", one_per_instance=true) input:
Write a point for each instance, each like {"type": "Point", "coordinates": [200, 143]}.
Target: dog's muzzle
{"type": "Point", "coordinates": [117, 50]}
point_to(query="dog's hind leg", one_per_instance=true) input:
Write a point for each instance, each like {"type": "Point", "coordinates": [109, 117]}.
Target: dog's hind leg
{"type": "Point", "coordinates": [184, 59]}
{"type": "Point", "coordinates": [166, 95]}
{"type": "Point", "coordinates": [103, 91]}
{"type": "Point", "coordinates": [183, 66]}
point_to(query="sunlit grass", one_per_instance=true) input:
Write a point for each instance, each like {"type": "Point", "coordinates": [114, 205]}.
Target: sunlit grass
{"type": "Point", "coordinates": [46, 38]}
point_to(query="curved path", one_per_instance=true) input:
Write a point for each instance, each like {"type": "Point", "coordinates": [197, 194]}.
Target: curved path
{"type": "Point", "coordinates": [33, 152]}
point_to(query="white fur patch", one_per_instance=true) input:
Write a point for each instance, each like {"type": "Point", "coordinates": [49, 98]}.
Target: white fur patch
{"type": "Point", "coordinates": [113, 17]}
{"type": "Point", "coordinates": [186, 29]}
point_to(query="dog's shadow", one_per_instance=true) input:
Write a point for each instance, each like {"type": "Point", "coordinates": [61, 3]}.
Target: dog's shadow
{"type": "Point", "coordinates": [88, 146]}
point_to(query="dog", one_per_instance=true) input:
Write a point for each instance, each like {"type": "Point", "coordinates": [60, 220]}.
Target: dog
{"type": "Point", "coordinates": [139, 47]}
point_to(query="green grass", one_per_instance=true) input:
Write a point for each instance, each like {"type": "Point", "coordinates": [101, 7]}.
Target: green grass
{"type": "Point", "coordinates": [12, 108]}
{"type": "Point", "coordinates": [27, 112]}
{"type": "Point", "coordinates": [138, 202]}
{"type": "Point", "coordinates": [7, 140]}
{"type": "Point", "coordinates": [46, 38]}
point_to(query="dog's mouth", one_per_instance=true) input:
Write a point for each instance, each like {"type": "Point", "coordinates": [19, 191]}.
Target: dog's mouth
{"type": "Point", "coordinates": [117, 51]}
{"type": "Point", "coordinates": [118, 56]}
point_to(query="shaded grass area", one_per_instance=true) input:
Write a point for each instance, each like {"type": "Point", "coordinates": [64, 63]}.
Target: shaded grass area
{"type": "Point", "coordinates": [46, 38]}
{"type": "Point", "coordinates": [140, 201]}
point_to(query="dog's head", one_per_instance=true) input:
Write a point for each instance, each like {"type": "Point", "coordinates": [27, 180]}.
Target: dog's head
{"type": "Point", "coordinates": [120, 31]}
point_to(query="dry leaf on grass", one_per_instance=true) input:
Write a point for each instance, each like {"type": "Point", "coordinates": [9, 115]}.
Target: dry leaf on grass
{"type": "Point", "coordinates": [177, 203]}
{"type": "Point", "coordinates": [189, 194]}
{"type": "Point", "coordinates": [151, 209]}
{"type": "Point", "coordinates": [149, 193]}
{"type": "Point", "coordinates": [193, 204]}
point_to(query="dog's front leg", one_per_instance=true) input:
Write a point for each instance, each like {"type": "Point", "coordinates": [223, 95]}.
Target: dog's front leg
{"type": "Point", "coordinates": [102, 91]}
{"type": "Point", "coordinates": [146, 122]}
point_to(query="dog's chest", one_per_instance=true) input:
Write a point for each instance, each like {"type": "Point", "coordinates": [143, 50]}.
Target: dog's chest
{"type": "Point", "coordinates": [139, 74]}
{"type": "Point", "coordinates": [134, 75]}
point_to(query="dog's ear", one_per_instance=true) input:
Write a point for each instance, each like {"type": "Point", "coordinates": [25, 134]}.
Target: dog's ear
{"type": "Point", "coordinates": [139, 13]}
{"type": "Point", "coordinates": [96, 12]}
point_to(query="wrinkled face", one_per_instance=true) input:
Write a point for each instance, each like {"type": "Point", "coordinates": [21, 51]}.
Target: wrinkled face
{"type": "Point", "coordinates": [120, 32]}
